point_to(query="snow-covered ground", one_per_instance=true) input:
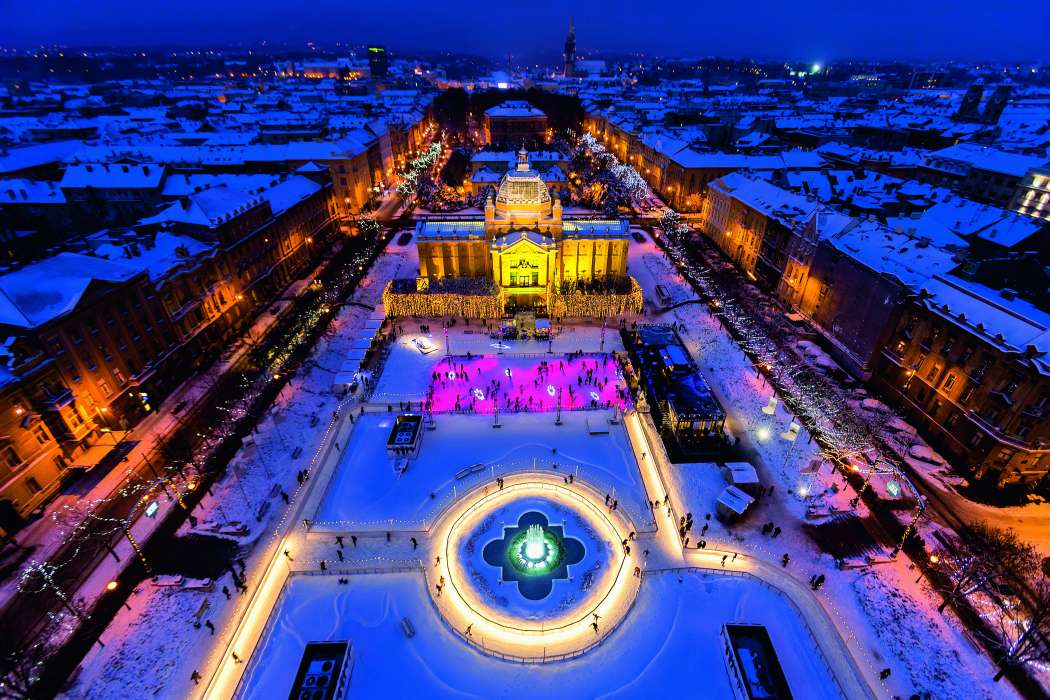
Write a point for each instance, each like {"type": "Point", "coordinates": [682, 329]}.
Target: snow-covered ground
{"type": "Point", "coordinates": [668, 644]}
{"type": "Point", "coordinates": [367, 494]}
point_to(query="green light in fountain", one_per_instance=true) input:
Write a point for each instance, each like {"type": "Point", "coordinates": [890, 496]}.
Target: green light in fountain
{"type": "Point", "coordinates": [535, 551]}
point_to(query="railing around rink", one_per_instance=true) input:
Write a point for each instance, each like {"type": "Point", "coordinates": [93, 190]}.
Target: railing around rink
{"type": "Point", "coordinates": [483, 502]}
{"type": "Point", "coordinates": [543, 657]}
{"type": "Point", "coordinates": [585, 478]}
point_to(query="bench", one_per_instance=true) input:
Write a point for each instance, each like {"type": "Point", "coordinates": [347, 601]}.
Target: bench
{"type": "Point", "coordinates": [467, 471]}
{"type": "Point", "coordinates": [201, 612]}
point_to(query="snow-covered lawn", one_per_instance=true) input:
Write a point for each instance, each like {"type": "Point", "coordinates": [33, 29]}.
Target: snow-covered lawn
{"type": "Point", "coordinates": [668, 644]}
{"type": "Point", "coordinates": [933, 657]}
{"type": "Point", "coordinates": [366, 493]}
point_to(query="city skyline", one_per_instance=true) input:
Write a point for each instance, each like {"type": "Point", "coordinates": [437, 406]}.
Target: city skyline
{"type": "Point", "coordinates": [806, 31]}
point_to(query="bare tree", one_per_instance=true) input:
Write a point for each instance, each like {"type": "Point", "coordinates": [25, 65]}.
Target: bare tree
{"type": "Point", "coordinates": [1024, 632]}
{"type": "Point", "coordinates": [982, 556]}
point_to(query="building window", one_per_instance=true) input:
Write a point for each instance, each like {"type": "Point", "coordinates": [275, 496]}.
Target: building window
{"type": "Point", "coordinates": [9, 457]}
{"type": "Point", "coordinates": [949, 381]}
{"type": "Point", "coordinates": [103, 386]}
{"type": "Point", "coordinates": [40, 432]}
{"type": "Point", "coordinates": [119, 376]}
{"type": "Point", "coordinates": [33, 486]}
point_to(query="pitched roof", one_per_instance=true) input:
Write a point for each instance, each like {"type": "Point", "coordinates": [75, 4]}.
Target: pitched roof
{"type": "Point", "coordinates": [45, 290]}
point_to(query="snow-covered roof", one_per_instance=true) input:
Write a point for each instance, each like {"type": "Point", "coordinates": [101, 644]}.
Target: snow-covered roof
{"type": "Point", "coordinates": [185, 184]}
{"type": "Point", "coordinates": [156, 254]}
{"type": "Point", "coordinates": [596, 228]}
{"type": "Point", "coordinates": [16, 191]}
{"type": "Point", "coordinates": [973, 220]}
{"type": "Point", "coordinates": [514, 108]}
{"type": "Point", "coordinates": [973, 155]}
{"type": "Point", "coordinates": [1013, 325]}
{"type": "Point", "coordinates": [289, 192]}
{"type": "Point", "coordinates": [910, 260]}
{"type": "Point", "coordinates": [36, 155]}
{"type": "Point", "coordinates": [115, 176]}
{"type": "Point", "coordinates": [50, 288]}
{"type": "Point", "coordinates": [735, 500]}
{"type": "Point", "coordinates": [788, 208]}
{"type": "Point", "coordinates": [209, 208]}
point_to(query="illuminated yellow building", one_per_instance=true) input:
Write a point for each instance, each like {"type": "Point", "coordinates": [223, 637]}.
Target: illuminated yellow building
{"type": "Point", "coordinates": [529, 255]}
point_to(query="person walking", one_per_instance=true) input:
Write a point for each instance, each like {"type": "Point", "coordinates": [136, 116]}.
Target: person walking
{"type": "Point", "coordinates": [353, 538]}
{"type": "Point", "coordinates": [786, 559]}
{"type": "Point", "coordinates": [226, 592]}
{"type": "Point", "coordinates": [468, 630]}
{"type": "Point", "coordinates": [414, 544]}
{"type": "Point", "coordinates": [195, 677]}
{"type": "Point", "coordinates": [210, 626]}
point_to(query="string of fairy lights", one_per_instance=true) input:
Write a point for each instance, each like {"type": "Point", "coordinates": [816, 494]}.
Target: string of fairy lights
{"type": "Point", "coordinates": [411, 177]}
{"type": "Point", "coordinates": [611, 183]}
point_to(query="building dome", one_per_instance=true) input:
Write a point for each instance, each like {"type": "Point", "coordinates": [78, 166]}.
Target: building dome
{"type": "Point", "coordinates": [522, 191]}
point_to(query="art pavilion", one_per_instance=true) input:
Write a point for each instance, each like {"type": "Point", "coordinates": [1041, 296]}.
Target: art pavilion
{"type": "Point", "coordinates": [523, 255]}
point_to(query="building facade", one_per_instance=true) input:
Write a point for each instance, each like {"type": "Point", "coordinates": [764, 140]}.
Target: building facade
{"type": "Point", "coordinates": [969, 366]}
{"type": "Point", "coordinates": [526, 248]}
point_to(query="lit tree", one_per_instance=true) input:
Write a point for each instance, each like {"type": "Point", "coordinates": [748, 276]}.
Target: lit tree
{"type": "Point", "coordinates": [1024, 632]}
{"type": "Point", "coordinates": [982, 556]}
{"type": "Point", "coordinates": [369, 226]}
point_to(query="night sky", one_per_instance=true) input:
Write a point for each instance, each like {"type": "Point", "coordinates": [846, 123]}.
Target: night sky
{"type": "Point", "coordinates": [808, 30]}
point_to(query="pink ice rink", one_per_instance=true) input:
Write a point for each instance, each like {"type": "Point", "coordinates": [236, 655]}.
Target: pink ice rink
{"type": "Point", "coordinates": [462, 384]}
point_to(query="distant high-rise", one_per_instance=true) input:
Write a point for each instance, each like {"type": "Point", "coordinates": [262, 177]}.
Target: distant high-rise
{"type": "Point", "coordinates": [994, 105]}
{"type": "Point", "coordinates": [570, 51]}
{"type": "Point", "coordinates": [377, 62]}
{"type": "Point", "coordinates": [969, 110]}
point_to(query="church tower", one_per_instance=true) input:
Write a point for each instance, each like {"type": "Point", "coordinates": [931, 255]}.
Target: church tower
{"type": "Point", "coordinates": [570, 51]}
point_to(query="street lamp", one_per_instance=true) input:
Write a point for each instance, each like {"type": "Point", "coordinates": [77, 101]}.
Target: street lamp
{"type": "Point", "coordinates": [934, 559]}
